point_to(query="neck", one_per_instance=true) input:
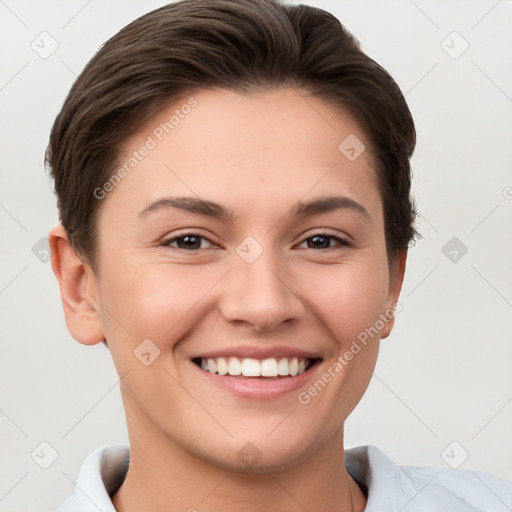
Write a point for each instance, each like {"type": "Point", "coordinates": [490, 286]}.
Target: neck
{"type": "Point", "coordinates": [163, 477]}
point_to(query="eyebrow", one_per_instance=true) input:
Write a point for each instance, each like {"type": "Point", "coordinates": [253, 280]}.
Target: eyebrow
{"type": "Point", "coordinates": [189, 204]}
{"type": "Point", "coordinates": [217, 211]}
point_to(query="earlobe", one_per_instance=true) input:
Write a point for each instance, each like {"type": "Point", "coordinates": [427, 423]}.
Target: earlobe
{"type": "Point", "coordinates": [78, 290]}
{"type": "Point", "coordinates": [395, 286]}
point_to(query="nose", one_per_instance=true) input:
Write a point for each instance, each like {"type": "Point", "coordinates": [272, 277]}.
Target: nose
{"type": "Point", "coordinates": [260, 294]}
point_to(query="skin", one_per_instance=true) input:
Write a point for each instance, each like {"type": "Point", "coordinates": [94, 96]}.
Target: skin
{"type": "Point", "coordinates": [257, 154]}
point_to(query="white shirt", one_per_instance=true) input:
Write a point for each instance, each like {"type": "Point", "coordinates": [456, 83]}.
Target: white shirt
{"type": "Point", "coordinates": [390, 488]}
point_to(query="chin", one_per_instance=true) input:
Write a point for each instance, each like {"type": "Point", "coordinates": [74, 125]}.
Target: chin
{"type": "Point", "coordinates": [257, 451]}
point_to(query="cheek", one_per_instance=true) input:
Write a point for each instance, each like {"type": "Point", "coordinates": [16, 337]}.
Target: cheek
{"type": "Point", "coordinates": [347, 298]}
{"type": "Point", "coordinates": [155, 300]}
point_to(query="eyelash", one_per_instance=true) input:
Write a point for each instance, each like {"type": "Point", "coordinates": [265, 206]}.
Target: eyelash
{"type": "Point", "coordinates": [341, 241]}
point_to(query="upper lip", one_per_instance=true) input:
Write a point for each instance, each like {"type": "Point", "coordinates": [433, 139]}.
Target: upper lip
{"type": "Point", "coordinates": [247, 351]}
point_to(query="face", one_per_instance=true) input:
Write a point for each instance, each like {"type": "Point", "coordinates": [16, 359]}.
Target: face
{"type": "Point", "coordinates": [244, 240]}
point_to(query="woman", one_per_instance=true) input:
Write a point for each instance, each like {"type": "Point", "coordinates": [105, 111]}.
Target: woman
{"type": "Point", "coordinates": [233, 184]}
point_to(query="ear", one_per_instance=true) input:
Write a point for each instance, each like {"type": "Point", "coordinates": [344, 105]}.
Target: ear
{"type": "Point", "coordinates": [396, 280]}
{"type": "Point", "coordinates": [78, 289]}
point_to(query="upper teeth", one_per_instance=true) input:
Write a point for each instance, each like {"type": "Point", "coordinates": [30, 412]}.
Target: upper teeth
{"type": "Point", "coordinates": [271, 367]}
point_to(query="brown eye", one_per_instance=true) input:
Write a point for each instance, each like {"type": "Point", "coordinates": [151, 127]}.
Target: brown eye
{"type": "Point", "coordinates": [188, 241]}
{"type": "Point", "coordinates": [324, 241]}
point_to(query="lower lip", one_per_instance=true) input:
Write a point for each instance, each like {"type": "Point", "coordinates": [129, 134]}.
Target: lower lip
{"type": "Point", "coordinates": [263, 388]}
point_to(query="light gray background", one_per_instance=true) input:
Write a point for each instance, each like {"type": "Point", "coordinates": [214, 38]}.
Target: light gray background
{"type": "Point", "coordinates": [444, 375]}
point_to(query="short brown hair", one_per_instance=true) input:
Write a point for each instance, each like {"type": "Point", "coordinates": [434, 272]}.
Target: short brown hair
{"type": "Point", "coordinates": [231, 44]}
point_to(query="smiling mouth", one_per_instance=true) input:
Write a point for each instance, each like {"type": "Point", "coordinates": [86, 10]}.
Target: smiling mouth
{"type": "Point", "coordinates": [271, 368]}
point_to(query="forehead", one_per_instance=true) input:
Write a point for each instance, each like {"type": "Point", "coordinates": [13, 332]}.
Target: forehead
{"type": "Point", "coordinates": [262, 147]}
